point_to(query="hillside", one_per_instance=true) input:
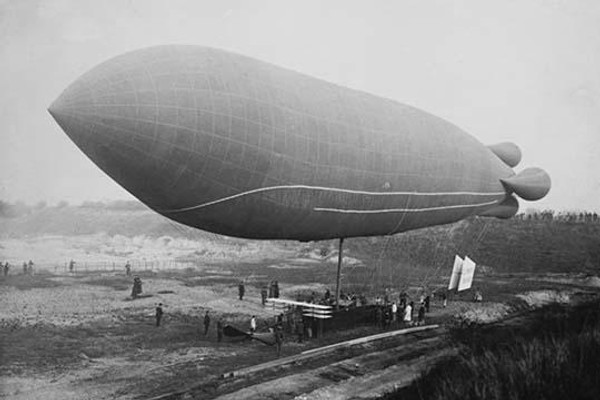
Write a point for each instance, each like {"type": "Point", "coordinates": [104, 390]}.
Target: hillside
{"type": "Point", "coordinates": [516, 245]}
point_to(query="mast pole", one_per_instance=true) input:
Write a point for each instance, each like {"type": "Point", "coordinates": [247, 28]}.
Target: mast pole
{"type": "Point", "coordinates": [339, 274]}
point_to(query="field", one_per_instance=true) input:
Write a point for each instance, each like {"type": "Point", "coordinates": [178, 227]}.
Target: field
{"type": "Point", "coordinates": [79, 335]}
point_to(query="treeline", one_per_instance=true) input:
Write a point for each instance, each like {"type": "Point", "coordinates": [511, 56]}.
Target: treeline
{"type": "Point", "coordinates": [564, 216]}
{"type": "Point", "coordinates": [20, 208]}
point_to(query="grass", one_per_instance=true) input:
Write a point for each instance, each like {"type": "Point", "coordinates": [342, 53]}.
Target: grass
{"type": "Point", "coordinates": [554, 356]}
{"type": "Point", "coordinates": [28, 282]}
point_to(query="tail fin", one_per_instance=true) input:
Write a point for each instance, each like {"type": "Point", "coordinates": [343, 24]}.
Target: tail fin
{"type": "Point", "coordinates": [529, 184]}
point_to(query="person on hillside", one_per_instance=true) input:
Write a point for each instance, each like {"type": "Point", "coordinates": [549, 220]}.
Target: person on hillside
{"type": "Point", "coordinates": [128, 269]}
{"type": "Point", "coordinates": [408, 313]}
{"type": "Point", "coordinates": [206, 323]}
{"type": "Point", "coordinates": [159, 314]}
{"type": "Point", "coordinates": [241, 290]}
{"type": "Point", "coordinates": [137, 287]}
{"type": "Point", "coordinates": [253, 324]}
{"type": "Point", "coordinates": [220, 326]}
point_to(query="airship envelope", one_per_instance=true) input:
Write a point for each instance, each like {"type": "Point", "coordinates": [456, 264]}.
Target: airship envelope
{"type": "Point", "coordinates": [240, 147]}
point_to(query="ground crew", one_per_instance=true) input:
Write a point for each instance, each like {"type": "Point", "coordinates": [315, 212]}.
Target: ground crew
{"type": "Point", "coordinates": [379, 317]}
{"type": "Point", "coordinates": [206, 323]}
{"type": "Point", "coordinates": [279, 338]}
{"type": "Point", "coordinates": [241, 290]}
{"type": "Point", "coordinates": [403, 297]}
{"type": "Point", "coordinates": [300, 330]}
{"type": "Point", "coordinates": [408, 313]}
{"type": "Point", "coordinates": [263, 295]}
{"type": "Point", "coordinates": [159, 314]}
{"type": "Point", "coordinates": [220, 329]}
{"type": "Point", "coordinates": [421, 316]}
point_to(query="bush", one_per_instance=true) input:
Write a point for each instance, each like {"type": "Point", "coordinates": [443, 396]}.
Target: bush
{"type": "Point", "coordinates": [556, 356]}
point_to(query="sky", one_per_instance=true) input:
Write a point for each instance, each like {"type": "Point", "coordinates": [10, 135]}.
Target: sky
{"type": "Point", "coordinates": [523, 71]}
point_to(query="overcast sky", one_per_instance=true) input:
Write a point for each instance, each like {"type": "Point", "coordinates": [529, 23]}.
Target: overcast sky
{"type": "Point", "coordinates": [522, 71]}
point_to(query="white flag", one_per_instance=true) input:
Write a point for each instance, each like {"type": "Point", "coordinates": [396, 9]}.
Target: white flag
{"type": "Point", "coordinates": [466, 275]}
{"type": "Point", "coordinates": [458, 262]}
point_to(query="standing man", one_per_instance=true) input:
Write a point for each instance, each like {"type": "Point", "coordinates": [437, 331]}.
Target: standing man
{"type": "Point", "coordinates": [30, 267]}
{"type": "Point", "coordinates": [271, 289]}
{"type": "Point", "coordinates": [263, 295]}
{"type": "Point", "coordinates": [220, 329]}
{"type": "Point", "coordinates": [71, 266]}
{"type": "Point", "coordinates": [403, 297]}
{"type": "Point", "coordinates": [128, 269]}
{"type": "Point", "coordinates": [241, 290]}
{"type": "Point", "coordinates": [24, 268]}
{"type": "Point", "coordinates": [6, 268]}
{"type": "Point", "coordinates": [279, 338]}
{"type": "Point", "coordinates": [159, 314]}
{"type": "Point", "coordinates": [427, 303]}
{"type": "Point", "coordinates": [421, 317]}
{"type": "Point", "coordinates": [253, 324]}
{"type": "Point", "coordinates": [300, 329]}
{"type": "Point", "coordinates": [206, 323]}
{"type": "Point", "coordinates": [394, 313]}
{"type": "Point", "coordinates": [379, 317]}
{"type": "Point", "coordinates": [408, 313]}
{"type": "Point", "coordinates": [276, 289]}
{"type": "Point", "coordinates": [137, 287]}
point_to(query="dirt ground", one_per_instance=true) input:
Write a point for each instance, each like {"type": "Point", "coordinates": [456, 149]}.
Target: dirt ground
{"type": "Point", "coordinates": [81, 336]}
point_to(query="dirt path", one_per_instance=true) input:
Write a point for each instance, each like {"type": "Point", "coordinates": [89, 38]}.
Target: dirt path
{"type": "Point", "coordinates": [368, 363]}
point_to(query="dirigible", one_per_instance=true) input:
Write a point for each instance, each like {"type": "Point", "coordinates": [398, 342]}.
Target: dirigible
{"type": "Point", "coordinates": [240, 147]}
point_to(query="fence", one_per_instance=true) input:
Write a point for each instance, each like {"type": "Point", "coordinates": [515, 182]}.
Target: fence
{"type": "Point", "coordinates": [113, 266]}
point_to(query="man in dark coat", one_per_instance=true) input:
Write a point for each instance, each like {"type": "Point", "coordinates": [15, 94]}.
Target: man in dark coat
{"type": "Point", "coordinates": [206, 323]}
{"type": "Point", "coordinates": [241, 290]}
{"type": "Point", "coordinates": [279, 338]}
{"type": "Point", "coordinates": [159, 314]}
{"type": "Point", "coordinates": [220, 326]}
